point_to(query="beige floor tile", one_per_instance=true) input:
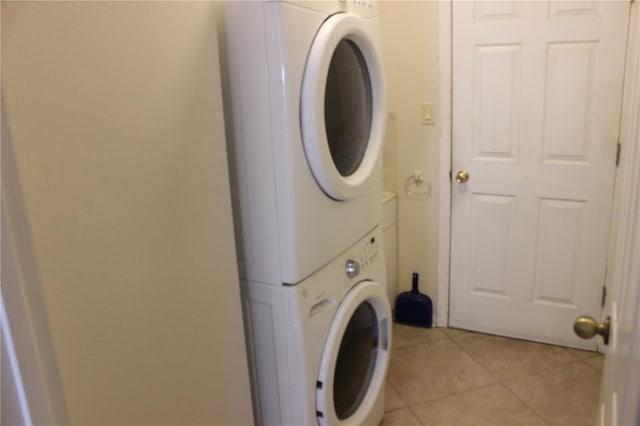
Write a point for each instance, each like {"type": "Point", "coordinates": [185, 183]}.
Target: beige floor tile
{"type": "Point", "coordinates": [566, 395]}
{"type": "Point", "coordinates": [583, 354]}
{"type": "Point", "coordinates": [507, 358]}
{"type": "Point", "coordinates": [433, 370]}
{"type": "Point", "coordinates": [453, 331]}
{"type": "Point", "coordinates": [404, 417]}
{"type": "Point", "coordinates": [596, 362]}
{"type": "Point", "coordinates": [406, 335]}
{"type": "Point", "coordinates": [493, 405]}
{"type": "Point", "coordinates": [392, 399]}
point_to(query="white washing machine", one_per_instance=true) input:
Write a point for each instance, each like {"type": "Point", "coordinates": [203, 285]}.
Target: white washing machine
{"type": "Point", "coordinates": [322, 347]}
{"type": "Point", "coordinates": [305, 108]}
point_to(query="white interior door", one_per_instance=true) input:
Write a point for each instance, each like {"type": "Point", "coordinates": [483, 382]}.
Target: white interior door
{"type": "Point", "coordinates": [620, 394]}
{"type": "Point", "coordinates": [620, 397]}
{"type": "Point", "coordinates": [536, 105]}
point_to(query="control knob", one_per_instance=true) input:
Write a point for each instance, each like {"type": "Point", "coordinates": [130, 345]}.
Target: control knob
{"type": "Point", "coordinates": [352, 268]}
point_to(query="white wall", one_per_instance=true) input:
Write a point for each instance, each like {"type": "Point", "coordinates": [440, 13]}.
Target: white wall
{"type": "Point", "coordinates": [117, 204]}
{"type": "Point", "coordinates": [410, 57]}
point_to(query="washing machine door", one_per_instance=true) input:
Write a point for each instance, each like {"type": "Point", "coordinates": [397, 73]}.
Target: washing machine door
{"type": "Point", "coordinates": [353, 369]}
{"type": "Point", "coordinates": [343, 105]}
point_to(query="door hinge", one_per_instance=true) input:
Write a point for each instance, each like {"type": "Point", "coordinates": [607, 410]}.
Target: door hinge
{"type": "Point", "coordinates": [604, 296]}
{"type": "Point", "coordinates": [618, 152]}
{"type": "Point", "coordinates": [450, 176]}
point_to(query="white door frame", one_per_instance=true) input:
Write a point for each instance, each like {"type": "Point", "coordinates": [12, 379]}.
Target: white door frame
{"type": "Point", "coordinates": [445, 70]}
{"type": "Point", "coordinates": [445, 141]}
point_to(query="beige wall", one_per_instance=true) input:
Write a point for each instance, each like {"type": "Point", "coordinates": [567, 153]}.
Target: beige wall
{"type": "Point", "coordinates": [409, 51]}
{"type": "Point", "coordinates": [118, 205]}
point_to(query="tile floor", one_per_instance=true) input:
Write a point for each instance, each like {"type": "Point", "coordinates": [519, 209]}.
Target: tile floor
{"type": "Point", "coordinates": [446, 377]}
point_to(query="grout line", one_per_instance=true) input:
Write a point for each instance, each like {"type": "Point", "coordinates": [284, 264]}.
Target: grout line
{"type": "Point", "coordinates": [431, 339]}
{"type": "Point", "coordinates": [590, 356]}
{"type": "Point", "coordinates": [445, 336]}
{"type": "Point", "coordinates": [415, 416]}
{"type": "Point", "coordinates": [387, 382]}
{"type": "Point", "coordinates": [475, 360]}
{"type": "Point", "coordinates": [591, 366]}
{"type": "Point", "coordinates": [466, 390]}
{"type": "Point", "coordinates": [396, 409]}
{"type": "Point", "coordinates": [540, 416]}
{"type": "Point", "coordinates": [406, 406]}
{"type": "Point", "coordinates": [411, 345]}
{"type": "Point", "coordinates": [453, 394]}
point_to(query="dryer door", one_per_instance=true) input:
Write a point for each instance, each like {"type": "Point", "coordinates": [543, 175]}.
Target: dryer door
{"type": "Point", "coordinates": [353, 369]}
{"type": "Point", "coordinates": [343, 105]}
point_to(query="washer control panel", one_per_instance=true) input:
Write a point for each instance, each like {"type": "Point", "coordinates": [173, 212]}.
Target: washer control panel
{"type": "Point", "coordinates": [364, 256]}
{"type": "Point", "coordinates": [352, 268]}
{"type": "Point", "coordinates": [364, 8]}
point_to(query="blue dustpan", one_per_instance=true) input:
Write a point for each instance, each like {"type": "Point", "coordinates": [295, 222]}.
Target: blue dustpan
{"type": "Point", "coordinates": [413, 307]}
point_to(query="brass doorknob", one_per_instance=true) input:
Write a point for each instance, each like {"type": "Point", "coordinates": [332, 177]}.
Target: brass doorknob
{"type": "Point", "coordinates": [586, 327]}
{"type": "Point", "coordinates": [462, 176]}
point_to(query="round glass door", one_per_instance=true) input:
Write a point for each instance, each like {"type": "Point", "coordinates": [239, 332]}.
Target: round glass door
{"type": "Point", "coordinates": [356, 361]}
{"type": "Point", "coordinates": [347, 107]}
{"type": "Point", "coordinates": [355, 358]}
{"type": "Point", "coordinates": [343, 107]}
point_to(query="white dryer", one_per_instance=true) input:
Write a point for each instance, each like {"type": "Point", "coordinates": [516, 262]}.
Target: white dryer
{"type": "Point", "coordinates": [305, 117]}
{"type": "Point", "coordinates": [322, 347]}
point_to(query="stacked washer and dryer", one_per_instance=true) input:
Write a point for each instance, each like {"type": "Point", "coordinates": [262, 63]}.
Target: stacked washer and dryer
{"type": "Point", "coordinates": [306, 130]}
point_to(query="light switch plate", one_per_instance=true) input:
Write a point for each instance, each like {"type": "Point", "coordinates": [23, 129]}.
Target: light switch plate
{"type": "Point", "coordinates": [427, 114]}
